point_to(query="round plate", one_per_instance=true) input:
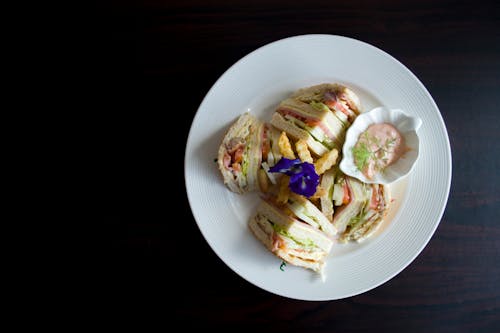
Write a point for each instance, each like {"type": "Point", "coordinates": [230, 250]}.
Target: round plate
{"type": "Point", "coordinates": [257, 83]}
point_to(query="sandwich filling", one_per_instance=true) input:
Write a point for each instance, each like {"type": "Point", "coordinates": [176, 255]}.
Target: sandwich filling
{"type": "Point", "coordinates": [309, 213]}
{"type": "Point", "coordinates": [233, 156]}
{"type": "Point", "coordinates": [290, 239]}
{"type": "Point", "coordinates": [340, 103]}
{"type": "Point", "coordinates": [317, 120]}
{"type": "Point", "coordinates": [337, 98]}
{"type": "Point", "coordinates": [282, 240]}
{"type": "Point", "coordinates": [242, 154]}
{"type": "Point", "coordinates": [363, 212]}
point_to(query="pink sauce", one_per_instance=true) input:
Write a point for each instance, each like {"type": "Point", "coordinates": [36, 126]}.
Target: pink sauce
{"type": "Point", "coordinates": [378, 147]}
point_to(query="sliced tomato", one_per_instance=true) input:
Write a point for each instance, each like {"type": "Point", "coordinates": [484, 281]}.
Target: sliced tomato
{"type": "Point", "coordinates": [266, 147]}
{"type": "Point", "coordinates": [238, 155]}
{"type": "Point", "coordinates": [236, 166]}
{"type": "Point", "coordinates": [311, 122]}
{"type": "Point", "coordinates": [339, 107]}
{"type": "Point", "coordinates": [285, 111]}
{"type": "Point", "coordinates": [277, 242]}
{"type": "Point", "coordinates": [347, 196]}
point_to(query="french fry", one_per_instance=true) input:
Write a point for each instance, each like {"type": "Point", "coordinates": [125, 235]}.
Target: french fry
{"type": "Point", "coordinates": [319, 193]}
{"type": "Point", "coordinates": [303, 151]}
{"type": "Point", "coordinates": [285, 146]}
{"type": "Point", "coordinates": [326, 161]}
{"type": "Point", "coordinates": [263, 182]}
{"type": "Point", "coordinates": [326, 202]}
{"type": "Point", "coordinates": [284, 191]}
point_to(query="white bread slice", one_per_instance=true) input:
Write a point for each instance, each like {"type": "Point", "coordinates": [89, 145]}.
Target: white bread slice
{"type": "Point", "coordinates": [274, 135]}
{"type": "Point", "coordinates": [296, 260]}
{"type": "Point", "coordinates": [262, 230]}
{"type": "Point", "coordinates": [254, 158]}
{"type": "Point", "coordinates": [309, 213]}
{"type": "Point", "coordinates": [352, 100]}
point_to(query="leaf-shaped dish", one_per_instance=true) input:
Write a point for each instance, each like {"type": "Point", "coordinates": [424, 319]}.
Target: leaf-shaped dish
{"type": "Point", "coordinates": [406, 125]}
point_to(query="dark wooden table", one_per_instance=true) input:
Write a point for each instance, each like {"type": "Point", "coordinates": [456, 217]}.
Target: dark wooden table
{"type": "Point", "coordinates": [153, 62]}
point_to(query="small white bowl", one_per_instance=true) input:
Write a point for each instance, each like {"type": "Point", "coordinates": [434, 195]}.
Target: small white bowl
{"type": "Point", "coordinates": [406, 125]}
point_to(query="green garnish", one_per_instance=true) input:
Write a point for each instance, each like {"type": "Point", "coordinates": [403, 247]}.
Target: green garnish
{"type": "Point", "coordinates": [389, 143]}
{"type": "Point", "coordinates": [283, 264]}
{"type": "Point", "coordinates": [370, 148]}
{"type": "Point", "coordinates": [354, 221]}
{"type": "Point", "coordinates": [362, 155]}
{"type": "Point", "coordinates": [319, 106]}
{"type": "Point", "coordinates": [306, 243]}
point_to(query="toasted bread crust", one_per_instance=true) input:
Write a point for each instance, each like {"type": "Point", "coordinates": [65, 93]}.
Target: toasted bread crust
{"type": "Point", "coordinates": [312, 93]}
{"type": "Point", "coordinates": [245, 129]}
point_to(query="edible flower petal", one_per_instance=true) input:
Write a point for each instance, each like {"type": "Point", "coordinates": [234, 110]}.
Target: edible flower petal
{"type": "Point", "coordinates": [303, 177]}
{"type": "Point", "coordinates": [285, 165]}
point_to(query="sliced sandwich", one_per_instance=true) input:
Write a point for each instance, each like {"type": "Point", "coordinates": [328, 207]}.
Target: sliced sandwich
{"type": "Point", "coordinates": [317, 126]}
{"type": "Point", "coordinates": [369, 219]}
{"type": "Point", "coordinates": [363, 207]}
{"type": "Point", "coordinates": [318, 115]}
{"type": "Point", "coordinates": [248, 150]}
{"type": "Point", "coordinates": [293, 241]}
{"type": "Point", "coordinates": [342, 101]}
{"type": "Point", "coordinates": [240, 156]}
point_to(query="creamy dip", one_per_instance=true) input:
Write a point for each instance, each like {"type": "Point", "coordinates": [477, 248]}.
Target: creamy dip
{"type": "Point", "coordinates": [378, 147]}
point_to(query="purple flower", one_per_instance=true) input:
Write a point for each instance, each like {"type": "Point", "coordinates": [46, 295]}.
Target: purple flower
{"type": "Point", "coordinates": [303, 177]}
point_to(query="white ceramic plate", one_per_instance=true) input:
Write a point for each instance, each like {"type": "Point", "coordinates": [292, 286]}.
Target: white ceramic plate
{"type": "Point", "coordinates": [256, 83]}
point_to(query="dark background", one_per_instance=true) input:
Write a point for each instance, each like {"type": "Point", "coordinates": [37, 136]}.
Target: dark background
{"type": "Point", "coordinates": [152, 62]}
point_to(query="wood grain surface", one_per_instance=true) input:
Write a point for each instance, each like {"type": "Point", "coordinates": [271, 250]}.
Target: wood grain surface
{"type": "Point", "coordinates": [152, 64]}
